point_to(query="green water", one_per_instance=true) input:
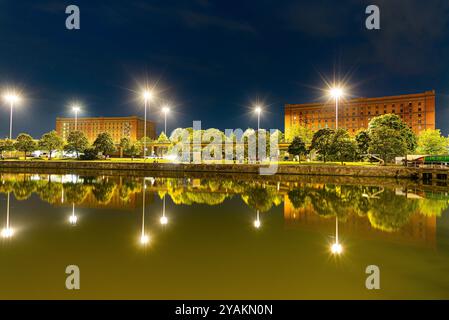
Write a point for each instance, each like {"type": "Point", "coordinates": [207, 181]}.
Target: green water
{"type": "Point", "coordinates": [221, 238]}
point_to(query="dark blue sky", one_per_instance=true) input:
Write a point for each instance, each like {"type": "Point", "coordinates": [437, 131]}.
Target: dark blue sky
{"type": "Point", "coordinates": [212, 59]}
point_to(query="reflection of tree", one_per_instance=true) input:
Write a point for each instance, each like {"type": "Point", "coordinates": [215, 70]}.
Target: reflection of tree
{"type": "Point", "coordinates": [75, 192]}
{"type": "Point", "coordinates": [50, 192]}
{"type": "Point", "coordinates": [103, 191]}
{"type": "Point", "coordinates": [261, 198]}
{"type": "Point", "coordinates": [127, 188]}
{"type": "Point", "coordinates": [190, 198]}
{"type": "Point", "coordinates": [432, 207]}
{"type": "Point", "coordinates": [23, 189]}
{"type": "Point", "coordinates": [7, 186]}
{"type": "Point", "coordinates": [298, 197]}
{"type": "Point", "coordinates": [391, 212]}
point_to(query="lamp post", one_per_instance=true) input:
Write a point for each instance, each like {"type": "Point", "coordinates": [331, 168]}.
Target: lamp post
{"type": "Point", "coordinates": [11, 98]}
{"type": "Point", "coordinates": [147, 95]}
{"type": "Point", "coordinates": [76, 109]}
{"type": "Point", "coordinates": [336, 93]}
{"type": "Point", "coordinates": [165, 110]}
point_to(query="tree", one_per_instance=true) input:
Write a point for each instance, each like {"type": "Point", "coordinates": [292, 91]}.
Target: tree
{"type": "Point", "coordinates": [6, 145]}
{"type": "Point", "coordinates": [387, 142]}
{"type": "Point", "coordinates": [104, 144]}
{"type": "Point", "coordinates": [394, 122]}
{"type": "Point", "coordinates": [123, 145]}
{"type": "Point", "coordinates": [133, 150]}
{"type": "Point", "coordinates": [76, 142]}
{"type": "Point", "coordinates": [305, 133]}
{"type": "Point", "coordinates": [432, 142]}
{"type": "Point", "coordinates": [322, 142]}
{"type": "Point", "coordinates": [363, 140]}
{"type": "Point", "coordinates": [25, 143]}
{"type": "Point", "coordinates": [163, 138]}
{"type": "Point", "coordinates": [343, 147]}
{"type": "Point", "coordinates": [297, 148]}
{"type": "Point", "coordinates": [51, 142]}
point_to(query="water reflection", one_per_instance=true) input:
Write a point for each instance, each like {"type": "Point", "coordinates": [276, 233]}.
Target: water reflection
{"type": "Point", "coordinates": [401, 210]}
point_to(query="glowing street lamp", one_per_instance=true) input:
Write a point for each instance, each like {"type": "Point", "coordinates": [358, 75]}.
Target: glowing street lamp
{"type": "Point", "coordinates": [164, 219]}
{"type": "Point", "coordinates": [11, 98]}
{"type": "Point", "coordinates": [147, 96]}
{"type": "Point", "coordinates": [165, 110]}
{"type": "Point", "coordinates": [76, 109]}
{"type": "Point", "coordinates": [7, 231]}
{"type": "Point", "coordinates": [336, 93]}
{"type": "Point", "coordinates": [73, 219]}
{"type": "Point", "coordinates": [336, 247]}
{"type": "Point", "coordinates": [257, 222]}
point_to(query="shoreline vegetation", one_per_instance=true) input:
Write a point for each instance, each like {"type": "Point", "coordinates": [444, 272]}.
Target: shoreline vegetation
{"type": "Point", "coordinates": [284, 168]}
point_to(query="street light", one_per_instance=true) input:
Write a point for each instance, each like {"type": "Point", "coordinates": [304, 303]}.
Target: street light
{"type": "Point", "coordinates": [144, 238]}
{"type": "Point", "coordinates": [336, 93]}
{"type": "Point", "coordinates": [147, 96]}
{"type": "Point", "coordinates": [165, 110]}
{"type": "Point", "coordinates": [76, 109]}
{"type": "Point", "coordinates": [11, 98]}
{"type": "Point", "coordinates": [258, 110]}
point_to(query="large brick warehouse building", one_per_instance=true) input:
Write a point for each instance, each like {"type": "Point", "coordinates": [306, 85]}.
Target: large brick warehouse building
{"type": "Point", "coordinates": [417, 110]}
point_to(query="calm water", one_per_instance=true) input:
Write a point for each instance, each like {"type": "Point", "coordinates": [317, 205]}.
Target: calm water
{"type": "Point", "coordinates": [221, 238]}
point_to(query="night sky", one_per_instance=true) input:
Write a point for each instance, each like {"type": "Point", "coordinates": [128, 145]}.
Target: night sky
{"type": "Point", "coordinates": [212, 59]}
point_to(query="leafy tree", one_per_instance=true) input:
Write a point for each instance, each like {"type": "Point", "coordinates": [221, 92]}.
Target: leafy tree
{"type": "Point", "coordinates": [432, 142]}
{"type": "Point", "coordinates": [6, 145]}
{"type": "Point", "coordinates": [322, 142]}
{"type": "Point", "coordinates": [51, 142]}
{"type": "Point", "coordinates": [104, 144]}
{"type": "Point", "coordinates": [305, 133]}
{"type": "Point", "coordinates": [297, 148]}
{"type": "Point", "coordinates": [89, 154]}
{"type": "Point", "coordinates": [362, 139]}
{"type": "Point", "coordinates": [343, 147]}
{"type": "Point", "coordinates": [76, 142]}
{"type": "Point", "coordinates": [163, 138]}
{"type": "Point", "coordinates": [394, 122]}
{"type": "Point", "coordinates": [387, 142]}
{"type": "Point", "coordinates": [133, 150]}
{"type": "Point", "coordinates": [123, 145]}
{"type": "Point", "coordinates": [25, 143]}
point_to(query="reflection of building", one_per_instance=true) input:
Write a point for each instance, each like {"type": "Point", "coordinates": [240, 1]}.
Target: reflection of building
{"type": "Point", "coordinates": [117, 127]}
{"type": "Point", "coordinates": [417, 110]}
{"type": "Point", "coordinates": [420, 229]}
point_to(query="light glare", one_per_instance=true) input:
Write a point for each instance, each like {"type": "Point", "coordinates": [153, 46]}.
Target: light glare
{"type": "Point", "coordinates": [336, 249]}
{"type": "Point", "coordinates": [7, 233]}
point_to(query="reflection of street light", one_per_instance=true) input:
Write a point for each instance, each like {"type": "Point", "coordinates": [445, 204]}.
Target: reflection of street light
{"type": "Point", "coordinates": [73, 218]}
{"type": "Point", "coordinates": [257, 222]}
{"type": "Point", "coordinates": [165, 110]}
{"type": "Point", "coordinates": [76, 109]}
{"type": "Point", "coordinates": [336, 247]}
{"type": "Point", "coordinates": [147, 96]}
{"type": "Point", "coordinates": [164, 219]}
{"type": "Point", "coordinates": [7, 232]}
{"type": "Point", "coordinates": [11, 98]}
{"type": "Point", "coordinates": [336, 93]}
{"type": "Point", "coordinates": [144, 238]}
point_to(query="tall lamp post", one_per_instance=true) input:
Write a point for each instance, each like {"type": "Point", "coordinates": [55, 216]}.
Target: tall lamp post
{"type": "Point", "coordinates": [147, 95]}
{"type": "Point", "coordinates": [336, 247]}
{"type": "Point", "coordinates": [7, 232]}
{"type": "Point", "coordinates": [336, 93]}
{"type": "Point", "coordinates": [11, 98]}
{"type": "Point", "coordinates": [165, 110]}
{"type": "Point", "coordinates": [76, 109]}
